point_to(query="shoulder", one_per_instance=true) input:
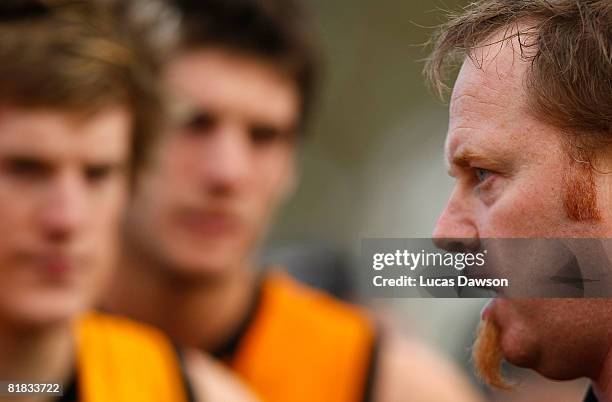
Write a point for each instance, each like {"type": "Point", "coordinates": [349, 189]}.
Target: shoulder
{"type": "Point", "coordinates": [312, 319]}
{"type": "Point", "coordinates": [122, 332]}
{"type": "Point", "coordinates": [312, 305]}
{"type": "Point", "coordinates": [129, 353]}
{"type": "Point", "coordinates": [409, 367]}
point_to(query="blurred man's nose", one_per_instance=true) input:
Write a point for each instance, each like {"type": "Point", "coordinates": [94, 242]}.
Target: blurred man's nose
{"type": "Point", "coordinates": [65, 210]}
{"type": "Point", "coordinates": [456, 229]}
{"type": "Point", "coordinates": [227, 159]}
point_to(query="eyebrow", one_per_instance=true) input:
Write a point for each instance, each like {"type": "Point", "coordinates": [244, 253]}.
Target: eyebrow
{"type": "Point", "coordinates": [466, 157]}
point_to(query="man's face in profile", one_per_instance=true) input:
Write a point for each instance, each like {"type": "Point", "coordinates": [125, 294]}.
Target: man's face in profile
{"type": "Point", "coordinates": [516, 177]}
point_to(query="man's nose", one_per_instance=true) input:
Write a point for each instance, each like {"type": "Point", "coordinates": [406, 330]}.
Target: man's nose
{"type": "Point", "coordinates": [65, 210]}
{"type": "Point", "coordinates": [227, 159]}
{"type": "Point", "coordinates": [456, 229]}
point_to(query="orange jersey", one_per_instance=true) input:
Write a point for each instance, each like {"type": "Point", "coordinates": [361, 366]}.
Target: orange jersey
{"type": "Point", "coordinates": [121, 361]}
{"type": "Point", "coordinates": [305, 346]}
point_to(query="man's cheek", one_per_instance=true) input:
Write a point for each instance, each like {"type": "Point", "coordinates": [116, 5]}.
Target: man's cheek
{"type": "Point", "coordinates": [528, 212]}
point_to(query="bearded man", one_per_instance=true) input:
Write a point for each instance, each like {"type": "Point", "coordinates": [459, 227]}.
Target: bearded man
{"type": "Point", "coordinates": [528, 146]}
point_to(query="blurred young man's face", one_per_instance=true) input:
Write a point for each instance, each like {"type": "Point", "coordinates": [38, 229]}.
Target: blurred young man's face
{"type": "Point", "coordinates": [514, 178]}
{"type": "Point", "coordinates": [62, 186]}
{"type": "Point", "coordinates": [215, 182]}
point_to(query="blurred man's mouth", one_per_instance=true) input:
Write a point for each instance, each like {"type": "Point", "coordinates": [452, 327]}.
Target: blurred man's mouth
{"type": "Point", "coordinates": [53, 265]}
{"type": "Point", "coordinates": [57, 264]}
{"type": "Point", "coordinates": [210, 223]}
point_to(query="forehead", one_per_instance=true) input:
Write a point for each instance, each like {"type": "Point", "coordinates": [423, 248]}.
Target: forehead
{"type": "Point", "coordinates": [489, 110]}
{"type": "Point", "coordinates": [58, 134]}
{"type": "Point", "coordinates": [232, 82]}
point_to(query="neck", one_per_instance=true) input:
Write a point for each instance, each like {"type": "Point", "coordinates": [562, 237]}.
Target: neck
{"type": "Point", "coordinates": [36, 355]}
{"type": "Point", "coordinates": [196, 313]}
{"type": "Point", "coordinates": [602, 384]}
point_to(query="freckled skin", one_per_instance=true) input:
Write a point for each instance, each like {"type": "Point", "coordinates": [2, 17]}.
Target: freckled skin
{"type": "Point", "coordinates": [521, 162]}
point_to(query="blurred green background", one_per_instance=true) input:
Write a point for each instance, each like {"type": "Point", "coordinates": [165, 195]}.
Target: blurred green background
{"type": "Point", "coordinates": [373, 165]}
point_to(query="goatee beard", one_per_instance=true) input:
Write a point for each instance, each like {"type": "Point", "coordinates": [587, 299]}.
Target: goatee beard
{"type": "Point", "coordinates": [487, 356]}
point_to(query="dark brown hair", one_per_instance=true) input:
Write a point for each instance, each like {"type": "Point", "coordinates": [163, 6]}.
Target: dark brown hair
{"type": "Point", "coordinates": [277, 31]}
{"type": "Point", "coordinates": [569, 46]}
{"type": "Point", "coordinates": [82, 56]}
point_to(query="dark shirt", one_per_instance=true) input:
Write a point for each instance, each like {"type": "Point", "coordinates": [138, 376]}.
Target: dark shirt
{"type": "Point", "coordinates": [590, 396]}
{"type": "Point", "coordinates": [70, 391]}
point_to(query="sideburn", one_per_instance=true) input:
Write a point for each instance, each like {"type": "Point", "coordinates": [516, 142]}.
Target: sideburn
{"type": "Point", "coordinates": [580, 198]}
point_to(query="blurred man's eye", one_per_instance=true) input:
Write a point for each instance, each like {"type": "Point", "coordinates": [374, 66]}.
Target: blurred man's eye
{"type": "Point", "coordinates": [261, 134]}
{"type": "Point", "coordinates": [27, 168]}
{"type": "Point", "coordinates": [98, 173]}
{"type": "Point", "coordinates": [200, 123]}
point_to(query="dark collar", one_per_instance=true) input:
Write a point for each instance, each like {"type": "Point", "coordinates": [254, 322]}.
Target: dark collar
{"type": "Point", "coordinates": [71, 392]}
{"type": "Point", "coordinates": [590, 396]}
{"type": "Point", "coordinates": [227, 351]}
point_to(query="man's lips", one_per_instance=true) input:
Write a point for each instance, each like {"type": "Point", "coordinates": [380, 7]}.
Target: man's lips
{"type": "Point", "coordinates": [58, 264]}
{"type": "Point", "coordinates": [210, 224]}
{"type": "Point", "coordinates": [52, 264]}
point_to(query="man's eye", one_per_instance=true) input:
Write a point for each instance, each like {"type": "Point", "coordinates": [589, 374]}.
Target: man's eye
{"type": "Point", "coordinates": [24, 167]}
{"type": "Point", "coordinates": [264, 134]}
{"type": "Point", "coordinates": [97, 174]}
{"type": "Point", "coordinates": [482, 174]}
{"type": "Point", "coordinates": [201, 123]}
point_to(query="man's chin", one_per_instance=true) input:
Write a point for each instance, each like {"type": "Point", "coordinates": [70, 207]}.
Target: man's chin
{"type": "Point", "coordinates": [205, 267]}
{"type": "Point", "coordinates": [494, 344]}
{"type": "Point", "coordinates": [519, 352]}
{"type": "Point", "coordinates": [42, 313]}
